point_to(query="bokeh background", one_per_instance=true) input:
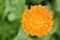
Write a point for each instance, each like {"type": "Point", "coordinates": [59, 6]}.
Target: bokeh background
{"type": "Point", "coordinates": [11, 14]}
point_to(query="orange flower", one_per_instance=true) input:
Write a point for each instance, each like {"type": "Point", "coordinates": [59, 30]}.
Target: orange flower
{"type": "Point", "coordinates": [37, 21]}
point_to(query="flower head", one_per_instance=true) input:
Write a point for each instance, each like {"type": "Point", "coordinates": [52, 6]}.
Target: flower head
{"type": "Point", "coordinates": [37, 21]}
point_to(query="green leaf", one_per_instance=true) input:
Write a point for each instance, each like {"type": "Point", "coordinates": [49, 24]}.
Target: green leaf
{"type": "Point", "coordinates": [8, 30]}
{"type": "Point", "coordinates": [12, 17]}
{"type": "Point", "coordinates": [56, 5]}
{"type": "Point", "coordinates": [2, 7]}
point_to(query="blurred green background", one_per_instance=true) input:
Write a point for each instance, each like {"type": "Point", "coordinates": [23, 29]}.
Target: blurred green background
{"type": "Point", "coordinates": [11, 15]}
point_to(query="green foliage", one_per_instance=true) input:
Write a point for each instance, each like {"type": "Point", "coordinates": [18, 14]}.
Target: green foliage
{"type": "Point", "coordinates": [57, 5]}
{"type": "Point", "coordinates": [10, 16]}
{"type": "Point", "coordinates": [34, 1]}
{"type": "Point", "coordinates": [8, 29]}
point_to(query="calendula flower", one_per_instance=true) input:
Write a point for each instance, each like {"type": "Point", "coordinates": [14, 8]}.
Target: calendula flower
{"type": "Point", "coordinates": [37, 21]}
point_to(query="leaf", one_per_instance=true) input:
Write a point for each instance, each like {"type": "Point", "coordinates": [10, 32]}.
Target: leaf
{"type": "Point", "coordinates": [8, 30]}
{"type": "Point", "coordinates": [12, 17]}
{"type": "Point", "coordinates": [56, 5]}
{"type": "Point", "coordinates": [2, 7]}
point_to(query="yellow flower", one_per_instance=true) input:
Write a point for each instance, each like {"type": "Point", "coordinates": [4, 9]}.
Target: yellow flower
{"type": "Point", "coordinates": [37, 21]}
